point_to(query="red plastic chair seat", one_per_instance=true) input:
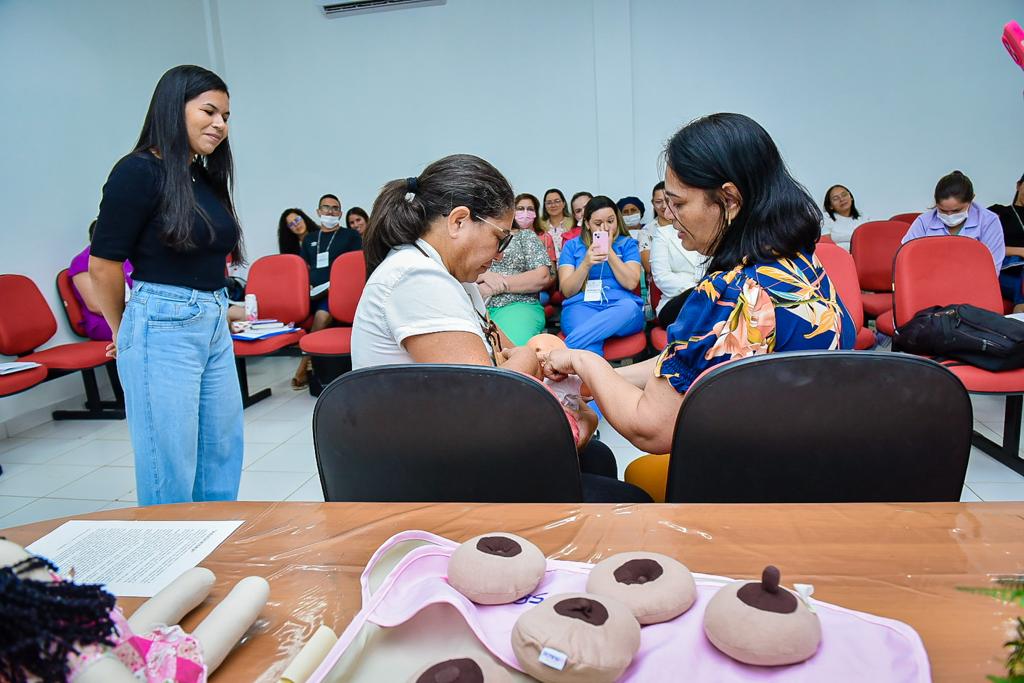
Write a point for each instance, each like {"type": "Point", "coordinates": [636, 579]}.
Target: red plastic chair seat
{"type": "Point", "coordinates": [261, 347]}
{"type": "Point", "coordinates": [75, 356]}
{"type": "Point", "coordinates": [876, 303]}
{"type": "Point", "coordinates": [978, 381]}
{"type": "Point", "coordinates": [885, 324]}
{"type": "Point", "coordinates": [19, 381]}
{"type": "Point", "coordinates": [334, 341]}
{"type": "Point", "coordinates": [865, 339]}
{"type": "Point", "coordinates": [618, 348]}
{"type": "Point", "coordinates": [659, 338]}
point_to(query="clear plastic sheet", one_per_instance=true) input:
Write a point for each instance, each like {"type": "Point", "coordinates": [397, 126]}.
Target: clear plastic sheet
{"type": "Point", "coordinates": [901, 561]}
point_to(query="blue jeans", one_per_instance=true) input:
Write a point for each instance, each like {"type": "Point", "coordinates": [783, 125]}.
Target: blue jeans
{"type": "Point", "coordinates": [177, 366]}
{"type": "Point", "coordinates": [587, 324]}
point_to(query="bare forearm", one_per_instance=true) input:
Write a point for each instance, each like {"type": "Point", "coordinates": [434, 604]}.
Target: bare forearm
{"type": "Point", "coordinates": [571, 283]}
{"type": "Point", "coordinates": [627, 274]}
{"type": "Point", "coordinates": [637, 374]}
{"type": "Point", "coordinates": [107, 279]}
{"type": "Point", "coordinates": [530, 282]}
{"type": "Point", "coordinates": [1015, 251]}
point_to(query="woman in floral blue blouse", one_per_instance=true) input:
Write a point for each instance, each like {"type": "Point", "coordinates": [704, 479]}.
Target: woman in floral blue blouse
{"type": "Point", "coordinates": [733, 201]}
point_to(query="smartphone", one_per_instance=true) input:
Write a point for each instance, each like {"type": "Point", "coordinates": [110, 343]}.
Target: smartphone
{"type": "Point", "coordinates": [600, 241]}
{"type": "Point", "coordinates": [1013, 41]}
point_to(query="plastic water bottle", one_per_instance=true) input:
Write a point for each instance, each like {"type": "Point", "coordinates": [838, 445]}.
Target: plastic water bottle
{"type": "Point", "coordinates": [251, 308]}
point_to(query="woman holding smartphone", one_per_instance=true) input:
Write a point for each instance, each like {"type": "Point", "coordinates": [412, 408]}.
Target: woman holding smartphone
{"type": "Point", "coordinates": [167, 206]}
{"type": "Point", "coordinates": [598, 274]}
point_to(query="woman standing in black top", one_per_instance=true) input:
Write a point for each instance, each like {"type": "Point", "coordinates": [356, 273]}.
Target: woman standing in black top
{"type": "Point", "coordinates": [167, 207]}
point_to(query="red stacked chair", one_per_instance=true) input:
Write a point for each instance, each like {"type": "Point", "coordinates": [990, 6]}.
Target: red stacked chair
{"type": "Point", "coordinates": [940, 271]}
{"type": "Point", "coordinates": [72, 309]}
{"type": "Point", "coordinates": [905, 217]}
{"type": "Point", "coordinates": [874, 245]}
{"type": "Point", "coordinates": [348, 277]}
{"type": "Point", "coordinates": [281, 285]}
{"type": "Point", "coordinates": [842, 271]}
{"type": "Point", "coordinates": [26, 323]}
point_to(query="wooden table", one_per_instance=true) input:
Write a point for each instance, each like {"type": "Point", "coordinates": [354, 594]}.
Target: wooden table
{"type": "Point", "coordinates": [896, 560]}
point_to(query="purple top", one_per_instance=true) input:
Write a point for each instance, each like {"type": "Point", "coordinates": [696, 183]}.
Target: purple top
{"type": "Point", "coordinates": [981, 224]}
{"type": "Point", "coordinates": [96, 327]}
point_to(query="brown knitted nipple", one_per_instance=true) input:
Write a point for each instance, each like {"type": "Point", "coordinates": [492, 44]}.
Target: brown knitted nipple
{"type": "Point", "coordinates": [584, 609]}
{"type": "Point", "coordinates": [638, 571]}
{"type": "Point", "coordinates": [498, 545]}
{"type": "Point", "coordinates": [453, 671]}
{"type": "Point", "coordinates": [767, 596]}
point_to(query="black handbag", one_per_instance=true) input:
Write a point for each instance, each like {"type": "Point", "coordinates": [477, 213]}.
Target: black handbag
{"type": "Point", "coordinates": [965, 333]}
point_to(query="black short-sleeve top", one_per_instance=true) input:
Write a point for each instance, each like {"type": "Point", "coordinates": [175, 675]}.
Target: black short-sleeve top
{"type": "Point", "coordinates": [1012, 219]}
{"type": "Point", "coordinates": [129, 227]}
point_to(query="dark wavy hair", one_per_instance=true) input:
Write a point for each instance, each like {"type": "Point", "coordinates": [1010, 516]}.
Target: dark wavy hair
{"type": "Point", "coordinates": [164, 131]}
{"type": "Point", "coordinates": [405, 208]}
{"type": "Point", "coordinates": [287, 241]}
{"type": "Point", "coordinates": [827, 203]}
{"type": "Point", "coordinates": [536, 210]}
{"type": "Point", "coordinates": [566, 212]}
{"type": "Point", "coordinates": [777, 216]}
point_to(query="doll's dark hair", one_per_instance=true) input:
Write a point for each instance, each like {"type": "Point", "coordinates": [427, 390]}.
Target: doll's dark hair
{"type": "Point", "coordinates": [42, 622]}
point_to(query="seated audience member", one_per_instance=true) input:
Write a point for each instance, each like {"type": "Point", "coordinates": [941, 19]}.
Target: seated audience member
{"type": "Point", "coordinates": [525, 204]}
{"type": "Point", "coordinates": [577, 204]}
{"type": "Point", "coordinates": [1011, 218]}
{"type": "Point", "coordinates": [357, 219]}
{"type": "Point", "coordinates": [598, 284]}
{"type": "Point", "coordinates": [96, 327]}
{"type": "Point", "coordinates": [633, 210]}
{"type": "Point", "coordinates": [733, 201]}
{"type": "Point", "coordinates": [956, 213]}
{"type": "Point", "coordinates": [556, 221]}
{"type": "Point", "coordinates": [675, 270]}
{"type": "Point", "coordinates": [293, 228]}
{"type": "Point", "coordinates": [430, 238]}
{"type": "Point", "coordinates": [514, 281]}
{"type": "Point", "coordinates": [319, 252]}
{"type": "Point", "coordinates": [842, 216]}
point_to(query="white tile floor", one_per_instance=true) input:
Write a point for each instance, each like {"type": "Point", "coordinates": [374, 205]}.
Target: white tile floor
{"type": "Point", "coordinates": [74, 467]}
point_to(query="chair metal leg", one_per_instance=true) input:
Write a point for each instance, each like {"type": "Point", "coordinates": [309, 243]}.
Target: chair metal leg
{"type": "Point", "coordinates": [243, 384]}
{"type": "Point", "coordinates": [95, 407]}
{"type": "Point", "coordinates": [1008, 452]}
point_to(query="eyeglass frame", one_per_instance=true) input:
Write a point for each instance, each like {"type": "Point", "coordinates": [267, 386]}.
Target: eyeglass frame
{"type": "Point", "coordinates": [506, 234]}
{"type": "Point", "coordinates": [329, 209]}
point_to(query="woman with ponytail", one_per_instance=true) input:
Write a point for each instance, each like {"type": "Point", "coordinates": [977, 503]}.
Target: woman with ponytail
{"type": "Point", "coordinates": [167, 206]}
{"type": "Point", "coordinates": [430, 239]}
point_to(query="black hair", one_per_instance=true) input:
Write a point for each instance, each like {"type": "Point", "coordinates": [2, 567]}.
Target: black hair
{"type": "Point", "coordinates": [565, 205]}
{"type": "Point", "coordinates": [660, 185]}
{"type": "Point", "coordinates": [327, 196]}
{"type": "Point", "coordinates": [594, 205]}
{"type": "Point", "coordinates": [404, 209]}
{"type": "Point", "coordinates": [1016, 191]}
{"type": "Point", "coordinates": [356, 211]}
{"type": "Point", "coordinates": [165, 133]}
{"type": "Point", "coordinates": [92, 230]}
{"type": "Point", "coordinates": [287, 241]}
{"type": "Point", "coordinates": [956, 186]}
{"type": "Point", "coordinates": [43, 622]}
{"type": "Point", "coordinates": [581, 193]}
{"type": "Point", "coordinates": [536, 206]}
{"type": "Point", "coordinates": [776, 218]}
{"type": "Point", "coordinates": [827, 203]}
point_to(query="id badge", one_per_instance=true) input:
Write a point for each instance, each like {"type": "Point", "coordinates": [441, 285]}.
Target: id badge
{"type": "Point", "coordinates": [322, 259]}
{"type": "Point", "coordinates": [593, 291]}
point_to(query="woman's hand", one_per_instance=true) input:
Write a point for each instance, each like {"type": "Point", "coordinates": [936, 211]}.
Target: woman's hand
{"type": "Point", "coordinates": [557, 364]}
{"type": "Point", "coordinates": [593, 257]}
{"type": "Point", "coordinates": [112, 349]}
{"type": "Point", "coordinates": [521, 358]}
{"type": "Point", "coordinates": [495, 282]}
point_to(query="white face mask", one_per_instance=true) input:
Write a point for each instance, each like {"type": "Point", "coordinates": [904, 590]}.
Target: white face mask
{"type": "Point", "coordinates": [952, 219]}
{"type": "Point", "coordinates": [330, 221]}
{"type": "Point", "coordinates": [632, 220]}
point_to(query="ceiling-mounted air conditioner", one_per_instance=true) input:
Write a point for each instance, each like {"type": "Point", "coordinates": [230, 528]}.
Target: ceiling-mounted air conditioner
{"type": "Point", "coordinates": [344, 8]}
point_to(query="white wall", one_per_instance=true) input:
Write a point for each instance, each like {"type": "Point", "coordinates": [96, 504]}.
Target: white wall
{"type": "Point", "coordinates": [581, 94]}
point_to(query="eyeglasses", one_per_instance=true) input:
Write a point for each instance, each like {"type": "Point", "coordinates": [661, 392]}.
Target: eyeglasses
{"type": "Point", "coordinates": [295, 221]}
{"type": "Point", "coordinates": [506, 235]}
{"type": "Point", "coordinates": [330, 209]}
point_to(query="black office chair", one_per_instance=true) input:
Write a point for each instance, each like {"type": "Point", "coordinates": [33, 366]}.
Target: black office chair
{"type": "Point", "coordinates": [822, 426]}
{"type": "Point", "coordinates": [443, 433]}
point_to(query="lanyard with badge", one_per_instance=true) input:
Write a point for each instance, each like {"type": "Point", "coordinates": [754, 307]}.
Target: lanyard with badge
{"type": "Point", "coordinates": [323, 258]}
{"type": "Point", "coordinates": [594, 289]}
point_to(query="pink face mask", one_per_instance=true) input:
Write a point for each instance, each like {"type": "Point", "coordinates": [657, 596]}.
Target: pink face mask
{"type": "Point", "coordinates": [524, 219]}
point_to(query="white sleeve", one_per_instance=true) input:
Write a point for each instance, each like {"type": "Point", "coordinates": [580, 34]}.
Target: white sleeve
{"type": "Point", "coordinates": [427, 300]}
{"type": "Point", "coordinates": [671, 283]}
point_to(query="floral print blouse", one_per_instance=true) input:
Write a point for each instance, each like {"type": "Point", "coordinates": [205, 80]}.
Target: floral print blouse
{"type": "Point", "coordinates": [784, 305]}
{"type": "Point", "coordinates": [524, 253]}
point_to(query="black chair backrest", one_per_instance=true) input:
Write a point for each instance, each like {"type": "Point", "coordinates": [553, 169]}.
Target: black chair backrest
{"type": "Point", "coordinates": [822, 426]}
{"type": "Point", "coordinates": [443, 433]}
